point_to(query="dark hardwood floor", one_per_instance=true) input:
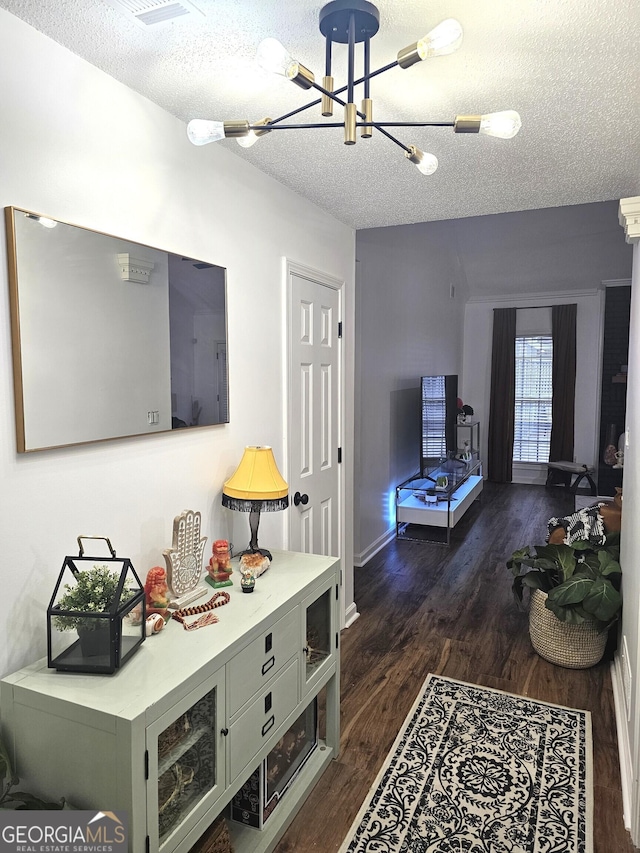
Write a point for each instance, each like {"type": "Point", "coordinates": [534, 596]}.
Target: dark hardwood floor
{"type": "Point", "coordinates": [450, 611]}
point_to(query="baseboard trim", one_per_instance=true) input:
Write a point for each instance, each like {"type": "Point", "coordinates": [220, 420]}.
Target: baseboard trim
{"type": "Point", "coordinates": [351, 614]}
{"type": "Point", "coordinates": [624, 747]}
{"type": "Point", "coordinates": [361, 559]}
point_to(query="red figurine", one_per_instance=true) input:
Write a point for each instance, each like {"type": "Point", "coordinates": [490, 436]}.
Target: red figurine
{"type": "Point", "coordinates": [156, 591]}
{"type": "Point", "coordinates": [219, 568]}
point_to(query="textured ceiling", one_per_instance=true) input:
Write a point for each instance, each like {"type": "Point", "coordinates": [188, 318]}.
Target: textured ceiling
{"type": "Point", "coordinates": [569, 67]}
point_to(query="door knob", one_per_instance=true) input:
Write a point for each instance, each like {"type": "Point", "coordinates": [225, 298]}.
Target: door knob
{"type": "Point", "coordinates": [300, 499]}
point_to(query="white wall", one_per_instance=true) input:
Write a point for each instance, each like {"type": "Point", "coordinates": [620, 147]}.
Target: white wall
{"type": "Point", "coordinates": [476, 382]}
{"type": "Point", "coordinates": [629, 718]}
{"type": "Point", "coordinates": [408, 325]}
{"type": "Point", "coordinates": [77, 146]}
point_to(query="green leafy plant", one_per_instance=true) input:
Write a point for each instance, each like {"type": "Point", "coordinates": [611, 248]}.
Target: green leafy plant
{"type": "Point", "coordinates": [93, 592]}
{"type": "Point", "coordinates": [582, 580]}
{"type": "Point", "coordinates": [18, 800]}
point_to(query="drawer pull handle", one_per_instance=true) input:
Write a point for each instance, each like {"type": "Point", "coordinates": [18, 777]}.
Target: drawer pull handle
{"type": "Point", "coordinates": [268, 643]}
{"type": "Point", "coordinates": [268, 665]}
{"type": "Point", "coordinates": [268, 725]}
{"type": "Point", "coordinates": [224, 732]}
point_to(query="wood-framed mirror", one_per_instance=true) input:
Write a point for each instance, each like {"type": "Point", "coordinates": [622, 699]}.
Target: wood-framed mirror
{"type": "Point", "coordinates": [111, 338]}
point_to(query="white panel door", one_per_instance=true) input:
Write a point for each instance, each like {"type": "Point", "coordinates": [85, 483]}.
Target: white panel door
{"type": "Point", "coordinates": [314, 399]}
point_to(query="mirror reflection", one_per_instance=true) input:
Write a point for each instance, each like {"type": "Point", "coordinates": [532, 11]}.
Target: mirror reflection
{"type": "Point", "coordinates": [111, 338]}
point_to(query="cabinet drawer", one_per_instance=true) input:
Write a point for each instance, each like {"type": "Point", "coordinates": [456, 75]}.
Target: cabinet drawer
{"type": "Point", "coordinates": [261, 719]}
{"type": "Point", "coordinates": [256, 664]}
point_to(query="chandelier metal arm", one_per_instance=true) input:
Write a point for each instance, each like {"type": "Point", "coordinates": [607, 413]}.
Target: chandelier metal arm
{"type": "Point", "coordinates": [293, 113]}
{"type": "Point", "coordinates": [307, 107]}
{"type": "Point", "coordinates": [333, 97]}
{"type": "Point", "coordinates": [379, 125]}
{"type": "Point", "coordinates": [327, 57]}
{"type": "Point", "coordinates": [365, 79]}
{"type": "Point", "coordinates": [351, 57]}
{"type": "Point", "coordinates": [367, 66]}
{"type": "Point", "coordinates": [323, 124]}
{"type": "Point", "coordinates": [393, 139]}
{"type": "Point", "coordinates": [297, 126]}
{"type": "Point", "coordinates": [336, 92]}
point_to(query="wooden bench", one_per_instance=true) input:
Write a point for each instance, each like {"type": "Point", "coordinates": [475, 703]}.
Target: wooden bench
{"type": "Point", "coordinates": [561, 473]}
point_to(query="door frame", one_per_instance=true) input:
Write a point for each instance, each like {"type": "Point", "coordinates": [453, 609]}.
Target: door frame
{"type": "Point", "coordinates": [292, 268]}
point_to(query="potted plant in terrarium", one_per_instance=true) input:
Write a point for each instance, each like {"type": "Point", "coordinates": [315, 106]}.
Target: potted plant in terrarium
{"type": "Point", "coordinates": [92, 593]}
{"type": "Point", "coordinates": [574, 595]}
{"type": "Point", "coordinates": [104, 604]}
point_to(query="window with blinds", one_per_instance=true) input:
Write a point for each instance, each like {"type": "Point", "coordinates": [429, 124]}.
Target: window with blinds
{"type": "Point", "coordinates": [532, 433]}
{"type": "Point", "coordinates": [434, 416]}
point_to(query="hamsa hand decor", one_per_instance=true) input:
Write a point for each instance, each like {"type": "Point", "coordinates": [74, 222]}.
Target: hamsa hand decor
{"type": "Point", "coordinates": [184, 559]}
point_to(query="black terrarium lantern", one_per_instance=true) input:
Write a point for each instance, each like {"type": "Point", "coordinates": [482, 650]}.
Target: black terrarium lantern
{"type": "Point", "coordinates": [96, 616]}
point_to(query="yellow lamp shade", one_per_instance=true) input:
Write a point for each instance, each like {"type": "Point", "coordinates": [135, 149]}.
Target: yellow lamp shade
{"type": "Point", "coordinates": [257, 477]}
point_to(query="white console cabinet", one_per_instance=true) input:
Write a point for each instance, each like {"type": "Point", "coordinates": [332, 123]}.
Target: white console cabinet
{"type": "Point", "coordinates": [174, 734]}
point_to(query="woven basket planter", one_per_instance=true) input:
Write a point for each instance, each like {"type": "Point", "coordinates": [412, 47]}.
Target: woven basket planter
{"type": "Point", "coordinates": [565, 644]}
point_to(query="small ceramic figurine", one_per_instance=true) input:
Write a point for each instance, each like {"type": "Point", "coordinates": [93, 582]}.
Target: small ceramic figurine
{"type": "Point", "coordinates": [156, 591]}
{"type": "Point", "coordinates": [247, 581]}
{"type": "Point", "coordinates": [222, 554]}
{"type": "Point", "coordinates": [219, 568]}
{"type": "Point", "coordinates": [153, 624]}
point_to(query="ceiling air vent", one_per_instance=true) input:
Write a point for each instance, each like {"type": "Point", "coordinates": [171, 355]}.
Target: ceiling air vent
{"type": "Point", "coordinates": [153, 13]}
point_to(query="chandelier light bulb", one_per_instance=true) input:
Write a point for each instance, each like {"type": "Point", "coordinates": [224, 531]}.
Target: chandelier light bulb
{"type": "Point", "coordinates": [201, 131]}
{"type": "Point", "coordinates": [254, 135]}
{"type": "Point", "coordinates": [247, 141]}
{"type": "Point", "coordinates": [426, 164]}
{"type": "Point", "coordinates": [441, 40]}
{"type": "Point", "coordinates": [274, 57]}
{"type": "Point", "coordinates": [504, 125]}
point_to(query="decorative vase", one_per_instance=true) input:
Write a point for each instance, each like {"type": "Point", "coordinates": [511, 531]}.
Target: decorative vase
{"type": "Point", "coordinates": [95, 642]}
{"type": "Point", "coordinates": [574, 646]}
{"type": "Point", "coordinates": [247, 581]}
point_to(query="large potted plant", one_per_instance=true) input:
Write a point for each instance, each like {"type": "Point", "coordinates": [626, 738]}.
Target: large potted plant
{"type": "Point", "coordinates": [575, 597]}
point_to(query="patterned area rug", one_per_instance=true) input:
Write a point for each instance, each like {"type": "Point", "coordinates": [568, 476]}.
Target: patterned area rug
{"type": "Point", "coordinates": [475, 770]}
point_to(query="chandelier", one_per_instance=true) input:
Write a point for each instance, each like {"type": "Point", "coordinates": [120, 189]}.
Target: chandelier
{"type": "Point", "coordinates": [353, 22]}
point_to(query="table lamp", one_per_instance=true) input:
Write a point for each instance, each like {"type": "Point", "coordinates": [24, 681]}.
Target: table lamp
{"type": "Point", "coordinates": [256, 486]}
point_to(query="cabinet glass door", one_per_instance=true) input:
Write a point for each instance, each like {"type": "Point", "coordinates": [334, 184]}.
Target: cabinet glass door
{"type": "Point", "coordinates": [186, 758]}
{"type": "Point", "coordinates": [320, 636]}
